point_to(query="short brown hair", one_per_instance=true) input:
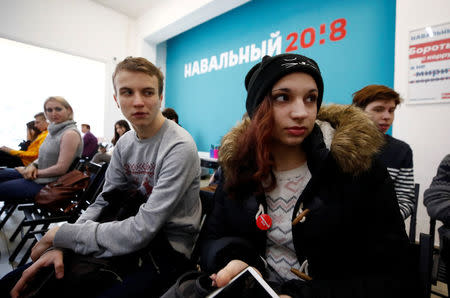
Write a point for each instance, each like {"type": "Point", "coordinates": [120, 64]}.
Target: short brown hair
{"type": "Point", "coordinates": [40, 115]}
{"type": "Point", "coordinates": [86, 125]}
{"type": "Point", "coordinates": [371, 93]}
{"type": "Point", "coordinates": [139, 64]}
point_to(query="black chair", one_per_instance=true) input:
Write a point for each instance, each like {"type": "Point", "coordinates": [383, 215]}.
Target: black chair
{"type": "Point", "coordinates": [439, 268]}
{"type": "Point", "coordinates": [207, 200]}
{"type": "Point", "coordinates": [9, 207]}
{"type": "Point", "coordinates": [35, 216]}
{"type": "Point", "coordinates": [425, 264]}
{"type": "Point", "coordinates": [413, 219]}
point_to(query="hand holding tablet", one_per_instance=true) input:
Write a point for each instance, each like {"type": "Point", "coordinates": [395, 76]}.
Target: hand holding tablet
{"type": "Point", "coordinates": [248, 283]}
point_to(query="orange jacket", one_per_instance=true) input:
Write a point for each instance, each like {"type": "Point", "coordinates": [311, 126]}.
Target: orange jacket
{"type": "Point", "coordinates": [32, 152]}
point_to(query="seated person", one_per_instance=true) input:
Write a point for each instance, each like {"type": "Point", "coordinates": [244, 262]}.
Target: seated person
{"type": "Point", "coordinates": [32, 133]}
{"type": "Point", "coordinates": [90, 145]}
{"type": "Point", "coordinates": [104, 154]}
{"type": "Point", "coordinates": [170, 114]}
{"type": "Point", "coordinates": [36, 134]}
{"type": "Point", "coordinates": [299, 192]}
{"type": "Point", "coordinates": [159, 159]}
{"type": "Point", "coordinates": [437, 200]}
{"type": "Point", "coordinates": [58, 151]}
{"type": "Point", "coordinates": [380, 102]}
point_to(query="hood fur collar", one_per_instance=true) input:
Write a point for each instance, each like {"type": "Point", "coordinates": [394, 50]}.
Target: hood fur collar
{"type": "Point", "coordinates": [355, 139]}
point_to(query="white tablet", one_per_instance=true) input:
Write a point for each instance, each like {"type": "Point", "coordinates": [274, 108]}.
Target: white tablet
{"type": "Point", "coordinates": [248, 283]}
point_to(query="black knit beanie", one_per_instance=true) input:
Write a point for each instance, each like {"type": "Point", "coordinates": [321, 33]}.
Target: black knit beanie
{"type": "Point", "coordinates": [265, 74]}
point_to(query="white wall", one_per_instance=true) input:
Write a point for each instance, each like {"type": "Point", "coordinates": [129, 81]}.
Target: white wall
{"type": "Point", "coordinates": [78, 27]}
{"type": "Point", "coordinates": [426, 128]}
{"type": "Point", "coordinates": [170, 18]}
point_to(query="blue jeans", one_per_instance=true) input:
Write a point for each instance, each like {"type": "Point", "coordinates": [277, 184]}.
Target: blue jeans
{"type": "Point", "coordinates": [14, 187]}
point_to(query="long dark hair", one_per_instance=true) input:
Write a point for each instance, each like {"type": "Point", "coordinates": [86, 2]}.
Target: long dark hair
{"type": "Point", "coordinates": [34, 131]}
{"type": "Point", "coordinates": [122, 123]}
{"type": "Point", "coordinates": [253, 162]}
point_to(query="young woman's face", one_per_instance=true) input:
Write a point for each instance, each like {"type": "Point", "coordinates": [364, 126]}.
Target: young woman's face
{"type": "Point", "coordinates": [294, 99]}
{"type": "Point", "coordinates": [120, 129]}
{"type": "Point", "coordinates": [56, 112]}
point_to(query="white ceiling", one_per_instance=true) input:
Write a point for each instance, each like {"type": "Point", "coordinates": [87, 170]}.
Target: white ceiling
{"type": "Point", "coordinates": [131, 8]}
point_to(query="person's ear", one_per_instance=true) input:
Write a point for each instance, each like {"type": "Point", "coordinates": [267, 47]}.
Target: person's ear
{"type": "Point", "coordinates": [160, 101]}
{"type": "Point", "coordinates": [117, 102]}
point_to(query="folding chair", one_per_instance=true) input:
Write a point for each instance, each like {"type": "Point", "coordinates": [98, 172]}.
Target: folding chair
{"type": "Point", "coordinates": [35, 215]}
{"type": "Point", "coordinates": [9, 207]}
{"type": "Point", "coordinates": [439, 269]}
{"type": "Point", "coordinates": [207, 200]}
{"type": "Point", "coordinates": [413, 219]}
{"type": "Point", "coordinates": [425, 264]}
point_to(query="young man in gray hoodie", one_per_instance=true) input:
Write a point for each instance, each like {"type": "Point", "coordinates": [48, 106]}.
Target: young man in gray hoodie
{"type": "Point", "coordinates": [160, 159]}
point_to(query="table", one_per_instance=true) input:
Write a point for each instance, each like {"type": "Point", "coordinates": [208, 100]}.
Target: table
{"type": "Point", "coordinates": [206, 161]}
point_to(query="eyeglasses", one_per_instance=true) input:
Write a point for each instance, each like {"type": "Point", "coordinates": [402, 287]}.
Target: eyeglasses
{"type": "Point", "coordinates": [57, 109]}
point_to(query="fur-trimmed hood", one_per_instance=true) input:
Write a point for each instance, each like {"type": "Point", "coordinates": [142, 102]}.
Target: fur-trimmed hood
{"type": "Point", "coordinates": [353, 139]}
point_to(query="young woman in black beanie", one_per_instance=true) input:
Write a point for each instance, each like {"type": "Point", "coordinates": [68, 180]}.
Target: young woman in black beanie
{"type": "Point", "coordinates": [302, 198]}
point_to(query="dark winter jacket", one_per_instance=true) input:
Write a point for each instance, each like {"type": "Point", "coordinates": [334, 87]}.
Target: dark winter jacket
{"type": "Point", "coordinates": [353, 238]}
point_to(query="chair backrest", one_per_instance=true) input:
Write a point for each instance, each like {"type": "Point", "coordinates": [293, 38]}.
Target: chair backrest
{"type": "Point", "coordinates": [413, 219]}
{"type": "Point", "coordinates": [207, 200]}
{"type": "Point", "coordinates": [425, 264]}
{"type": "Point", "coordinates": [76, 164]}
{"type": "Point", "coordinates": [97, 178]}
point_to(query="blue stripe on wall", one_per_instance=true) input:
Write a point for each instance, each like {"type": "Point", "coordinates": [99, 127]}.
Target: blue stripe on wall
{"type": "Point", "coordinates": [210, 103]}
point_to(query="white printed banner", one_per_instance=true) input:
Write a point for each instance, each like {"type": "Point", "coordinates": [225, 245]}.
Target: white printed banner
{"type": "Point", "coordinates": [429, 65]}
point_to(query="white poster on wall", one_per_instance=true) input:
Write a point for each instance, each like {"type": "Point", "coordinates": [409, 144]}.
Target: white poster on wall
{"type": "Point", "coordinates": [429, 65]}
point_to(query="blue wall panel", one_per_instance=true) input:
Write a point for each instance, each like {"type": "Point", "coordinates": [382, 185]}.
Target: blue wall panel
{"type": "Point", "coordinates": [210, 103]}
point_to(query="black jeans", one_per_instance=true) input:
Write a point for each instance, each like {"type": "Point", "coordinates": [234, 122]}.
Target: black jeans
{"type": "Point", "coordinates": [9, 161]}
{"type": "Point", "coordinates": [151, 280]}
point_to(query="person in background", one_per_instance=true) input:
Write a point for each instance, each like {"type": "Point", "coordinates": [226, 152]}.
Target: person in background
{"type": "Point", "coordinates": [32, 133]}
{"type": "Point", "coordinates": [305, 202]}
{"type": "Point", "coordinates": [437, 200]}
{"type": "Point", "coordinates": [160, 160]}
{"type": "Point", "coordinates": [170, 113]}
{"type": "Point", "coordinates": [105, 150]}
{"type": "Point", "coordinates": [120, 127]}
{"type": "Point", "coordinates": [102, 155]}
{"type": "Point", "coordinates": [90, 145]}
{"type": "Point", "coordinates": [36, 134]}
{"type": "Point", "coordinates": [60, 148]}
{"type": "Point", "coordinates": [380, 102]}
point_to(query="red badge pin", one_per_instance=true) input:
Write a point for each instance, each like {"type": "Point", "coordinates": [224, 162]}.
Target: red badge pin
{"type": "Point", "coordinates": [263, 221]}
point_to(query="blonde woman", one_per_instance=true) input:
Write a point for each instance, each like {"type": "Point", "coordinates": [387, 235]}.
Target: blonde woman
{"type": "Point", "coordinates": [62, 145]}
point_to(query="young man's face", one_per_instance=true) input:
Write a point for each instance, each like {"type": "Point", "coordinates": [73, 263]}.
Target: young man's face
{"type": "Point", "coordinates": [382, 113]}
{"type": "Point", "coordinates": [138, 98]}
{"type": "Point", "coordinates": [84, 129]}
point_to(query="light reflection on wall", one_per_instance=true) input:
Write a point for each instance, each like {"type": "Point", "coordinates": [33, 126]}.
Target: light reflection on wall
{"type": "Point", "coordinates": [30, 74]}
